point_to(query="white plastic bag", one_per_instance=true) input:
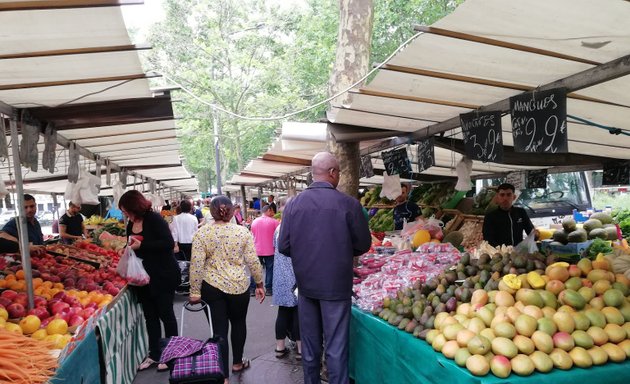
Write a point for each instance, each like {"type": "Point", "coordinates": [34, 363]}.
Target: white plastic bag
{"type": "Point", "coordinates": [528, 245]}
{"type": "Point", "coordinates": [464, 170]}
{"type": "Point", "coordinates": [391, 186]}
{"type": "Point", "coordinates": [130, 267]}
{"type": "Point", "coordinates": [118, 191]}
{"type": "Point", "coordinates": [3, 189]}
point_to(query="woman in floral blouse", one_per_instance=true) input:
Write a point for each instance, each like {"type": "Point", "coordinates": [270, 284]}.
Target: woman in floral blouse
{"type": "Point", "coordinates": [221, 254]}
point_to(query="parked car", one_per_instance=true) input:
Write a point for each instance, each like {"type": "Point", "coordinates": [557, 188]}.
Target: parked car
{"type": "Point", "coordinates": [6, 216]}
{"type": "Point", "coordinates": [45, 218]}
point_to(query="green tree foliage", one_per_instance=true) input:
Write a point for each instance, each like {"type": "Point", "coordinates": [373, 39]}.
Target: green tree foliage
{"type": "Point", "coordinates": [256, 58]}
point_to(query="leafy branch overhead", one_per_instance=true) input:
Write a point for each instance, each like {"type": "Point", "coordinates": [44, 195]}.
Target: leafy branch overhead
{"type": "Point", "coordinates": [260, 58]}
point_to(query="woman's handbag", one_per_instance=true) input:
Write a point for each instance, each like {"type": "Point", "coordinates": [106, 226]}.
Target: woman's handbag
{"type": "Point", "coordinates": [194, 361]}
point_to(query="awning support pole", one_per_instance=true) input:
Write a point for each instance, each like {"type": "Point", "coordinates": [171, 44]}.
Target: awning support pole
{"type": "Point", "coordinates": [21, 218]}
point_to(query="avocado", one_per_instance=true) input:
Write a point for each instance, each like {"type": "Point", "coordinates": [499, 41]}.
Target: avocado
{"type": "Point", "coordinates": [591, 224]}
{"type": "Point", "coordinates": [603, 217]}
{"type": "Point", "coordinates": [561, 237]}
{"type": "Point", "coordinates": [611, 233]}
{"type": "Point", "coordinates": [599, 233]}
{"type": "Point", "coordinates": [577, 237]}
{"type": "Point", "coordinates": [454, 238]}
{"type": "Point", "coordinates": [569, 225]}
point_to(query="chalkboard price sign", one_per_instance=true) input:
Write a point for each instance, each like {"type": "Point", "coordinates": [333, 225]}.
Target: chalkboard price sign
{"type": "Point", "coordinates": [426, 154]}
{"type": "Point", "coordinates": [537, 179]}
{"type": "Point", "coordinates": [397, 162]}
{"type": "Point", "coordinates": [517, 179]}
{"type": "Point", "coordinates": [539, 121]}
{"type": "Point", "coordinates": [483, 139]}
{"type": "Point", "coordinates": [616, 173]}
{"type": "Point", "coordinates": [365, 168]}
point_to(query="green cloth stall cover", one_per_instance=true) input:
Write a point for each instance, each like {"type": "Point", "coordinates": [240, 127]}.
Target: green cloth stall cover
{"type": "Point", "coordinates": [380, 353]}
{"type": "Point", "coordinates": [82, 365]}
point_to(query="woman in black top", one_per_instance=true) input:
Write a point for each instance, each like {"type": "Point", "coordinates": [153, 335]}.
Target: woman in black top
{"type": "Point", "coordinates": [150, 238]}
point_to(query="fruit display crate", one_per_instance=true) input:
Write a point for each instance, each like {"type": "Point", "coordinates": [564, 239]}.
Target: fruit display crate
{"type": "Point", "coordinates": [382, 206]}
{"type": "Point", "coordinates": [471, 227]}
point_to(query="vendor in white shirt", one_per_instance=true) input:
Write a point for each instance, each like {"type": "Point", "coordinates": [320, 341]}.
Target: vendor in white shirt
{"type": "Point", "coordinates": [183, 228]}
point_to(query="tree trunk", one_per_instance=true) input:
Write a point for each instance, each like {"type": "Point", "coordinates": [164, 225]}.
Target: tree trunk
{"type": "Point", "coordinates": [352, 62]}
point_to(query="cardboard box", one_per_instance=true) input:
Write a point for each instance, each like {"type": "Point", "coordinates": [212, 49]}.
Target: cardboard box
{"type": "Point", "coordinates": [568, 249]}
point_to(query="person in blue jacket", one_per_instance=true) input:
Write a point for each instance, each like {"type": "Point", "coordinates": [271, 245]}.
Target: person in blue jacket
{"type": "Point", "coordinates": [322, 230]}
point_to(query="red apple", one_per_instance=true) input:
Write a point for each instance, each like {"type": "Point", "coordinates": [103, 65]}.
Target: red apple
{"type": "Point", "coordinates": [113, 291]}
{"type": "Point", "coordinates": [16, 311]}
{"type": "Point", "coordinates": [46, 321]}
{"type": "Point", "coordinates": [40, 301]}
{"type": "Point", "coordinates": [21, 298]}
{"type": "Point", "coordinates": [65, 315]}
{"type": "Point", "coordinates": [58, 307]}
{"type": "Point", "coordinates": [4, 302]}
{"type": "Point", "coordinates": [87, 313]}
{"type": "Point", "coordinates": [9, 294]}
{"type": "Point", "coordinates": [76, 320]}
{"type": "Point", "coordinates": [59, 295]}
{"type": "Point", "coordinates": [91, 305]}
{"type": "Point", "coordinates": [40, 312]}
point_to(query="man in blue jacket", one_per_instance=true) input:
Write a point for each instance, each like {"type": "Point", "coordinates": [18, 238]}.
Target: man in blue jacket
{"type": "Point", "coordinates": [322, 230]}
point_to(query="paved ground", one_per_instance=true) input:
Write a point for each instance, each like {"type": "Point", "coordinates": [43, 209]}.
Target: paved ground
{"type": "Point", "coordinates": [265, 368]}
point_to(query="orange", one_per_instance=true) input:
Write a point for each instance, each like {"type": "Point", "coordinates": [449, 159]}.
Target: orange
{"type": "Point", "coordinates": [10, 277]}
{"type": "Point", "coordinates": [83, 294]}
{"type": "Point", "coordinates": [14, 285]}
{"type": "Point", "coordinates": [97, 298]}
{"type": "Point", "coordinates": [37, 282]}
{"type": "Point", "coordinates": [58, 286]}
{"type": "Point", "coordinates": [47, 284]}
{"type": "Point", "coordinates": [20, 274]}
{"type": "Point", "coordinates": [3, 283]}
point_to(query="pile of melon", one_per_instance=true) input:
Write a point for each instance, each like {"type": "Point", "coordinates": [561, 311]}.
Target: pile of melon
{"type": "Point", "coordinates": [599, 225]}
{"type": "Point", "coordinates": [579, 316]}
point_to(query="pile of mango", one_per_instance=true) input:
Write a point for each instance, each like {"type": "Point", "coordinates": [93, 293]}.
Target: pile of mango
{"type": "Point", "coordinates": [559, 317]}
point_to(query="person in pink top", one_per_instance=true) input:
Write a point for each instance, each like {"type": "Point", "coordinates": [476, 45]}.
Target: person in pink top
{"type": "Point", "coordinates": [263, 229]}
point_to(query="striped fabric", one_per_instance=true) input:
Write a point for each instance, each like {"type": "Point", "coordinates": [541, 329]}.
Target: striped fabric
{"type": "Point", "coordinates": [124, 339]}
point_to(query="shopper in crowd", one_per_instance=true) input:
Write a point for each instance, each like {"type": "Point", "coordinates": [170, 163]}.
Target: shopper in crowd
{"type": "Point", "coordinates": [263, 229]}
{"type": "Point", "coordinates": [256, 204]}
{"type": "Point", "coordinates": [71, 226]}
{"type": "Point", "coordinates": [404, 210]}
{"type": "Point", "coordinates": [221, 256]}
{"type": "Point", "coordinates": [150, 238]}
{"type": "Point", "coordinates": [505, 225]}
{"type": "Point", "coordinates": [183, 228]}
{"type": "Point", "coordinates": [284, 296]}
{"type": "Point", "coordinates": [322, 229]}
{"type": "Point", "coordinates": [197, 212]}
{"type": "Point", "coordinates": [272, 204]}
{"type": "Point", "coordinates": [238, 215]}
{"type": "Point", "coordinates": [9, 235]}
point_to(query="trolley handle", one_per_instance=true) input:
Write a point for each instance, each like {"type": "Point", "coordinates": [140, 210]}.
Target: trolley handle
{"type": "Point", "coordinates": [190, 307]}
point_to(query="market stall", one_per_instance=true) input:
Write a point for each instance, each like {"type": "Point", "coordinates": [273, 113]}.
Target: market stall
{"type": "Point", "coordinates": [78, 106]}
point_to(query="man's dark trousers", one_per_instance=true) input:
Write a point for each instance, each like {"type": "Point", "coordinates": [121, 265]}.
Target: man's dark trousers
{"type": "Point", "coordinates": [329, 320]}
